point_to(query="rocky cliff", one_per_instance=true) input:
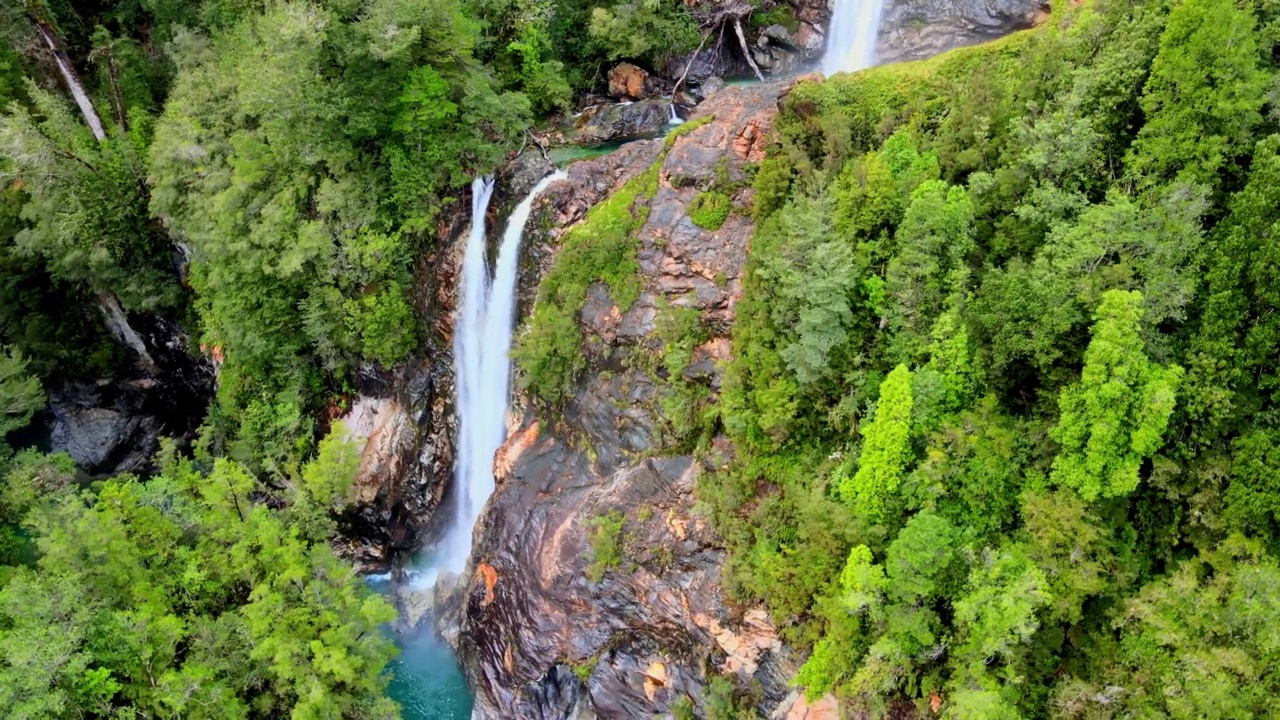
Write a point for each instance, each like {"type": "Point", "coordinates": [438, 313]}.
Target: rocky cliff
{"type": "Point", "coordinates": [595, 588]}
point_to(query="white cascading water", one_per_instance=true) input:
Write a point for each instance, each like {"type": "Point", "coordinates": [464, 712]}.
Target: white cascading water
{"type": "Point", "coordinates": [851, 39]}
{"type": "Point", "coordinates": [481, 344]}
{"type": "Point", "coordinates": [675, 118]}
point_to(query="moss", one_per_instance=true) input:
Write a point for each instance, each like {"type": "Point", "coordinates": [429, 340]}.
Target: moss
{"type": "Point", "coordinates": [710, 209]}
{"type": "Point", "coordinates": [682, 130]}
{"type": "Point", "coordinates": [781, 14]}
{"type": "Point", "coordinates": [685, 405]}
{"type": "Point", "coordinates": [772, 183]}
{"type": "Point", "coordinates": [600, 248]}
{"type": "Point", "coordinates": [605, 552]}
{"type": "Point", "coordinates": [584, 669]}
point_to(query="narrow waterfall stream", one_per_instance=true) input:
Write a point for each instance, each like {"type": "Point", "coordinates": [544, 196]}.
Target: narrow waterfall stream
{"type": "Point", "coordinates": [851, 39]}
{"type": "Point", "coordinates": [428, 683]}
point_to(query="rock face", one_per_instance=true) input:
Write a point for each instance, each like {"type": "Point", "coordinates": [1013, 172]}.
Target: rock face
{"type": "Point", "coordinates": [407, 423]}
{"type": "Point", "coordinates": [114, 426]}
{"type": "Point", "coordinates": [630, 82]}
{"type": "Point", "coordinates": [602, 124]}
{"type": "Point", "coordinates": [915, 29]}
{"type": "Point", "coordinates": [538, 638]}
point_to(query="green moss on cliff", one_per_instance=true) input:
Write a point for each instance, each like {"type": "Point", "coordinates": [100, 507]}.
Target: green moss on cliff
{"type": "Point", "coordinates": [602, 248]}
{"type": "Point", "coordinates": [606, 544]}
{"type": "Point", "coordinates": [710, 209]}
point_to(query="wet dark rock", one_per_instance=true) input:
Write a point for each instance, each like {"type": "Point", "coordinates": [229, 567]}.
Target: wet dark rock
{"type": "Point", "coordinates": [114, 426]}
{"type": "Point", "coordinates": [915, 29]}
{"type": "Point", "coordinates": [610, 123]}
{"type": "Point", "coordinates": [102, 440]}
{"type": "Point", "coordinates": [717, 61]}
{"type": "Point", "coordinates": [538, 638]}
{"type": "Point", "coordinates": [777, 35]}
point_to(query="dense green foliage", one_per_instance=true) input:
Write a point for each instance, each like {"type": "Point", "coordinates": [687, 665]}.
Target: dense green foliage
{"type": "Point", "coordinates": [186, 595]}
{"type": "Point", "coordinates": [1003, 394]}
{"type": "Point", "coordinates": [265, 174]}
{"type": "Point", "coordinates": [263, 177]}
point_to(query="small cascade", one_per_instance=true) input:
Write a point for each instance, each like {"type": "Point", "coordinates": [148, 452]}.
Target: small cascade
{"type": "Point", "coordinates": [851, 39]}
{"type": "Point", "coordinates": [675, 116]}
{"type": "Point", "coordinates": [482, 342]}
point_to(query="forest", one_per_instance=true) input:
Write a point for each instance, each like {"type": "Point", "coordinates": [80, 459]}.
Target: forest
{"type": "Point", "coordinates": [1003, 388]}
{"type": "Point", "coordinates": [261, 175]}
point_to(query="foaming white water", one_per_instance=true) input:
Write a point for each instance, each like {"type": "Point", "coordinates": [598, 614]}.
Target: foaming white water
{"type": "Point", "coordinates": [675, 118]}
{"type": "Point", "coordinates": [481, 344]}
{"type": "Point", "coordinates": [851, 39]}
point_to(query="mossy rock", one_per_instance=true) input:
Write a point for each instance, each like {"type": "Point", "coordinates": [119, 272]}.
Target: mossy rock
{"type": "Point", "coordinates": [709, 210]}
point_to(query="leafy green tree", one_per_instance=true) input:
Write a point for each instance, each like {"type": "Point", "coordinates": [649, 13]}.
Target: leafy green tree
{"type": "Point", "coordinates": [971, 470]}
{"type": "Point", "coordinates": [813, 277]}
{"type": "Point", "coordinates": [1115, 417]}
{"type": "Point", "coordinates": [1203, 97]}
{"type": "Point", "coordinates": [86, 208]}
{"type": "Point", "coordinates": [929, 263]}
{"type": "Point", "coordinates": [886, 450]}
{"type": "Point", "coordinates": [1194, 644]}
{"type": "Point", "coordinates": [997, 613]}
{"type": "Point", "coordinates": [1230, 374]}
{"type": "Point", "coordinates": [20, 393]}
{"type": "Point", "coordinates": [188, 595]}
{"type": "Point", "coordinates": [1070, 545]}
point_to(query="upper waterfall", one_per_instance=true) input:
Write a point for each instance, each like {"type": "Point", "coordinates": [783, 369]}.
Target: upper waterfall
{"type": "Point", "coordinates": [481, 344]}
{"type": "Point", "coordinates": [851, 39]}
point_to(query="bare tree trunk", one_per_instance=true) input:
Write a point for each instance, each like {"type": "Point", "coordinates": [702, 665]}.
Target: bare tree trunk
{"type": "Point", "coordinates": [746, 52]}
{"type": "Point", "coordinates": [117, 97]}
{"type": "Point", "coordinates": [72, 80]}
{"type": "Point", "coordinates": [118, 324]}
{"type": "Point", "coordinates": [688, 65]}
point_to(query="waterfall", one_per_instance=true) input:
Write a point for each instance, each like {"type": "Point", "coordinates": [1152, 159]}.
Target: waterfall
{"type": "Point", "coordinates": [481, 343]}
{"type": "Point", "coordinates": [675, 118]}
{"type": "Point", "coordinates": [851, 39]}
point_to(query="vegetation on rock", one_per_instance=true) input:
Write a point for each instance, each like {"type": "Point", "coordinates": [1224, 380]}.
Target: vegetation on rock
{"type": "Point", "coordinates": [999, 397]}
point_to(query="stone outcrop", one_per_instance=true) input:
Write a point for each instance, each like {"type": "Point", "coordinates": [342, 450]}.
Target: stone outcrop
{"type": "Point", "coordinates": [537, 637]}
{"type": "Point", "coordinates": [606, 123]}
{"type": "Point", "coordinates": [114, 426]}
{"type": "Point", "coordinates": [915, 29]}
{"type": "Point", "coordinates": [631, 82]}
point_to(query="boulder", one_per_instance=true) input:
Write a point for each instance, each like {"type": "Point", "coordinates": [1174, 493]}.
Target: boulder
{"type": "Point", "coordinates": [704, 65]}
{"type": "Point", "coordinates": [777, 35]}
{"type": "Point", "coordinates": [915, 29]}
{"type": "Point", "coordinates": [710, 86]}
{"type": "Point", "coordinates": [628, 82]}
{"type": "Point", "coordinates": [811, 39]}
{"type": "Point", "coordinates": [612, 123]}
{"type": "Point", "coordinates": [104, 440]}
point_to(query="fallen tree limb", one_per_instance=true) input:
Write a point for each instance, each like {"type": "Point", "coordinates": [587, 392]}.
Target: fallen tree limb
{"type": "Point", "coordinates": [746, 52]}
{"type": "Point", "coordinates": [688, 65]}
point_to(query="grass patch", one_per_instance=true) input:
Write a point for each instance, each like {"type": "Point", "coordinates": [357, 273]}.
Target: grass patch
{"type": "Point", "coordinates": [606, 544]}
{"type": "Point", "coordinates": [709, 210]}
{"type": "Point", "coordinates": [584, 669]}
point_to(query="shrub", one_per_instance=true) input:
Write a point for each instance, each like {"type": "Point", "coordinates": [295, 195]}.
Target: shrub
{"type": "Point", "coordinates": [606, 544]}
{"type": "Point", "coordinates": [709, 210]}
